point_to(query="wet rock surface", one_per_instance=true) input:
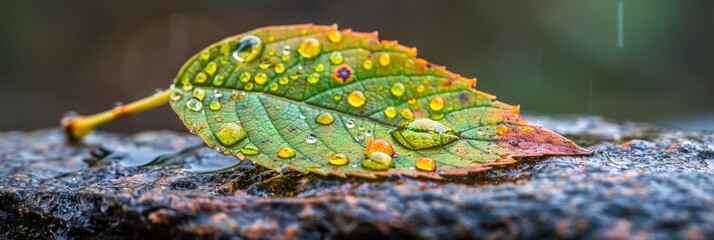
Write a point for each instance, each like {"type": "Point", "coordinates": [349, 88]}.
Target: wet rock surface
{"type": "Point", "coordinates": [642, 182]}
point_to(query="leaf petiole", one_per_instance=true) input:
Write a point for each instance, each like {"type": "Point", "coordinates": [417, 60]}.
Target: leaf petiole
{"type": "Point", "coordinates": [78, 126]}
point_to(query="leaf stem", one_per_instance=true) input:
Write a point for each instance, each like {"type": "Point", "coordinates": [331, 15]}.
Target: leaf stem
{"type": "Point", "coordinates": [78, 126]}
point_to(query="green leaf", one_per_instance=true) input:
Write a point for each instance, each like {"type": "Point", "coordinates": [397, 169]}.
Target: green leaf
{"type": "Point", "coordinates": [312, 98]}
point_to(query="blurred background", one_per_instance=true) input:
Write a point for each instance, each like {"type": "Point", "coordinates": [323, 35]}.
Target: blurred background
{"type": "Point", "coordinates": [626, 60]}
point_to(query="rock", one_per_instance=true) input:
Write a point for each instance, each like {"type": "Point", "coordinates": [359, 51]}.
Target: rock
{"type": "Point", "coordinates": [642, 182]}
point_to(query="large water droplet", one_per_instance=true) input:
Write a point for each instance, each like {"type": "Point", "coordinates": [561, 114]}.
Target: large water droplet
{"type": "Point", "coordinates": [261, 78]}
{"type": "Point", "coordinates": [426, 164]}
{"type": "Point", "coordinates": [248, 48]}
{"type": "Point", "coordinates": [311, 138]}
{"type": "Point", "coordinates": [356, 98]}
{"type": "Point", "coordinates": [230, 133]}
{"type": "Point", "coordinates": [384, 59]}
{"type": "Point", "coordinates": [309, 48]}
{"type": "Point", "coordinates": [325, 118]}
{"type": "Point", "coordinates": [313, 78]}
{"type": "Point", "coordinates": [398, 89]}
{"type": "Point", "coordinates": [336, 58]}
{"type": "Point", "coordinates": [424, 133]}
{"type": "Point", "coordinates": [436, 103]}
{"type": "Point", "coordinates": [390, 112]}
{"type": "Point", "coordinates": [199, 93]}
{"type": "Point", "coordinates": [339, 159]}
{"type": "Point", "coordinates": [379, 145]}
{"type": "Point", "coordinates": [378, 161]}
{"type": "Point", "coordinates": [280, 68]}
{"type": "Point", "coordinates": [286, 152]}
{"type": "Point", "coordinates": [194, 104]}
{"type": "Point", "coordinates": [250, 149]}
{"type": "Point", "coordinates": [335, 36]}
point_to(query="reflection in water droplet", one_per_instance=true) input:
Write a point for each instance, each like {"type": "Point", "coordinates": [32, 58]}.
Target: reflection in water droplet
{"type": "Point", "coordinates": [335, 36]}
{"type": "Point", "coordinates": [367, 64]}
{"type": "Point", "coordinates": [199, 93]}
{"type": "Point", "coordinates": [194, 104]}
{"type": "Point", "coordinates": [325, 118]}
{"type": "Point", "coordinates": [350, 123]}
{"type": "Point", "coordinates": [424, 133]}
{"type": "Point", "coordinates": [398, 89]}
{"type": "Point", "coordinates": [356, 98]}
{"type": "Point", "coordinates": [426, 164]}
{"type": "Point", "coordinates": [261, 78]}
{"type": "Point", "coordinates": [407, 114]}
{"type": "Point", "coordinates": [384, 59]}
{"type": "Point", "coordinates": [336, 58]}
{"type": "Point", "coordinates": [244, 77]}
{"type": "Point", "coordinates": [280, 68]}
{"type": "Point", "coordinates": [311, 138]}
{"type": "Point", "coordinates": [379, 145]}
{"type": "Point", "coordinates": [309, 48]}
{"type": "Point", "coordinates": [313, 78]}
{"type": "Point", "coordinates": [286, 152]}
{"type": "Point", "coordinates": [201, 78]}
{"type": "Point", "coordinates": [390, 112]}
{"type": "Point", "coordinates": [378, 161]}
{"type": "Point", "coordinates": [248, 48]}
{"type": "Point", "coordinates": [215, 105]}
{"type": "Point", "coordinates": [230, 133]}
{"type": "Point", "coordinates": [436, 103]}
{"type": "Point", "coordinates": [339, 159]}
{"type": "Point", "coordinates": [250, 149]}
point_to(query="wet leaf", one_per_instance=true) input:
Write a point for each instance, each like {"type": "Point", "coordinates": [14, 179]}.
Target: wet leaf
{"type": "Point", "coordinates": [311, 98]}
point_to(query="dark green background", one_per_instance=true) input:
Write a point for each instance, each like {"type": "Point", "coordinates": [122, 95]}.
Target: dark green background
{"type": "Point", "coordinates": [552, 57]}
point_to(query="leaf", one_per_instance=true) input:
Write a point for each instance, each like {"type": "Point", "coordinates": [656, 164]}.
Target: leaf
{"type": "Point", "coordinates": [311, 98]}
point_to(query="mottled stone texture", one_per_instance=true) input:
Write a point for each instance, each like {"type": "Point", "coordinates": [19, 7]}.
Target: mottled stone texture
{"type": "Point", "coordinates": [642, 182]}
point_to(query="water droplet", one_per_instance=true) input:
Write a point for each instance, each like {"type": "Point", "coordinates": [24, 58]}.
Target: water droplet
{"type": "Point", "coordinates": [280, 68]}
{"type": "Point", "coordinates": [378, 161]}
{"type": "Point", "coordinates": [359, 137]}
{"type": "Point", "coordinates": [218, 119]}
{"type": "Point", "coordinates": [379, 145]}
{"type": "Point", "coordinates": [215, 105]}
{"type": "Point", "coordinates": [278, 106]}
{"type": "Point", "coordinates": [356, 98]}
{"type": "Point", "coordinates": [286, 152]}
{"type": "Point", "coordinates": [390, 112]}
{"type": "Point", "coordinates": [412, 101]}
{"type": "Point", "coordinates": [274, 87]}
{"type": "Point", "coordinates": [187, 86]}
{"type": "Point", "coordinates": [286, 50]}
{"type": "Point", "coordinates": [206, 54]}
{"type": "Point", "coordinates": [426, 164]}
{"type": "Point", "coordinates": [302, 117]}
{"type": "Point", "coordinates": [313, 78]}
{"type": "Point", "coordinates": [367, 64]}
{"type": "Point", "coordinates": [501, 130]}
{"type": "Point", "coordinates": [325, 118]}
{"type": "Point", "coordinates": [368, 133]}
{"type": "Point", "coordinates": [230, 133]}
{"type": "Point", "coordinates": [194, 104]}
{"type": "Point", "coordinates": [350, 123]}
{"type": "Point", "coordinates": [309, 48]}
{"type": "Point", "coordinates": [361, 127]}
{"type": "Point", "coordinates": [248, 48]}
{"type": "Point", "coordinates": [424, 133]}
{"type": "Point", "coordinates": [398, 89]}
{"type": "Point", "coordinates": [339, 159]}
{"type": "Point", "coordinates": [407, 114]}
{"type": "Point", "coordinates": [244, 77]}
{"type": "Point", "coordinates": [311, 138]}
{"type": "Point", "coordinates": [336, 58]}
{"type": "Point", "coordinates": [408, 63]}
{"type": "Point", "coordinates": [211, 68]}
{"type": "Point", "coordinates": [217, 94]}
{"type": "Point", "coordinates": [175, 96]}
{"type": "Point", "coordinates": [264, 64]}
{"type": "Point", "coordinates": [528, 130]}
{"type": "Point", "coordinates": [337, 97]}
{"type": "Point", "coordinates": [320, 67]}
{"type": "Point", "coordinates": [420, 88]}
{"type": "Point", "coordinates": [199, 93]}
{"type": "Point", "coordinates": [201, 78]}
{"type": "Point", "coordinates": [271, 52]}
{"type": "Point", "coordinates": [384, 59]}
{"type": "Point", "coordinates": [436, 103]}
{"type": "Point", "coordinates": [218, 80]}
{"type": "Point", "coordinates": [250, 149]}
{"type": "Point", "coordinates": [285, 58]}
{"type": "Point", "coordinates": [335, 36]}
{"type": "Point", "coordinates": [295, 75]}
{"type": "Point", "coordinates": [283, 81]}
{"type": "Point", "coordinates": [261, 78]}
{"type": "Point", "coordinates": [248, 86]}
